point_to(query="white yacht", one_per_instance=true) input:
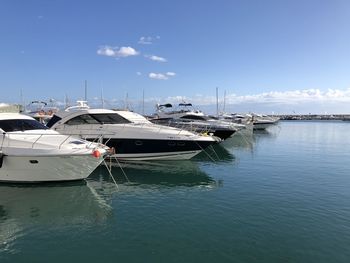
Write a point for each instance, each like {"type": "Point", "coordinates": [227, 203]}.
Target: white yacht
{"type": "Point", "coordinates": [262, 122]}
{"type": "Point", "coordinates": [30, 152]}
{"type": "Point", "coordinates": [184, 110]}
{"type": "Point", "coordinates": [186, 117]}
{"type": "Point", "coordinates": [131, 134]}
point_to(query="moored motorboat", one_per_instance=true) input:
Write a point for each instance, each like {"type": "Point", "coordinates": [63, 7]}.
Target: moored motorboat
{"type": "Point", "coordinates": [30, 152]}
{"type": "Point", "coordinates": [262, 122]}
{"type": "Point", "coordinates": [132, 135]}
{"type": "Point", "coordinates": [185, 117]}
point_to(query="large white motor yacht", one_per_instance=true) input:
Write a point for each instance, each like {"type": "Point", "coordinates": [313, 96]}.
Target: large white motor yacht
{"type": "Point", "coordinates": [30, 152]}
{"type": "Point", "coordinates": [186, 117]}
{"type": "Point", "coordinates": [131, 134]}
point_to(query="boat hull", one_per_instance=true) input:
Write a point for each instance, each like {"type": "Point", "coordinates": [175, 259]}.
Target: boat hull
{"type": "Point", "coordinates": [157, 156]}
{"type": "Point", "coordinates": [192, 126]}
{"type": "Point", "coordinates": [262, 125]}
{"type": "Point", "coordinates": [34, 169]}
{"type": "Point", "coordinates": [151, 149]}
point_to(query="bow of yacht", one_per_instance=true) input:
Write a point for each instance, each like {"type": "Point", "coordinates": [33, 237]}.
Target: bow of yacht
{"type": "Point", "coordinates": [29, 152]}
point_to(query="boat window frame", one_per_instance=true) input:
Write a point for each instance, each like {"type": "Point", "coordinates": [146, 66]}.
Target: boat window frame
{"type": "Point", "coordinates": [82, 120]}
{"type": "Point", "coordinates": [97, 118]}
{"type": "Point", "coordinates": [16, 125]}
{"type": "Point", "coordinates": [120, 119]}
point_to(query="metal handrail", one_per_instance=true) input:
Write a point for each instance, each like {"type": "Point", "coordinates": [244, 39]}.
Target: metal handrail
{"type": "Point", "coordinates": [40, 136]}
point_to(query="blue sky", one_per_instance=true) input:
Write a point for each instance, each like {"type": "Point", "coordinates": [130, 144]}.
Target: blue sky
{"type": "Point", "coordinates": [279, 56]}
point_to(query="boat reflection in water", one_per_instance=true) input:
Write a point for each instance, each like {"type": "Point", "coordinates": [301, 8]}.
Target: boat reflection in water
{"type": "Point", "coordinates": [156, 173]}
{"type": "Point", "coordinates": [27, 208]}
{"type": "Point", "coordinates": [216, 154]}
{"type": "Point", "coordinates": [248, 142]}
{"type": "Point", "coordinates": [239, 141]}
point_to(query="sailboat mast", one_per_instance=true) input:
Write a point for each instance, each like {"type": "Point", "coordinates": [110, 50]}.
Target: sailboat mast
{"type": "Point", "coordinates": [85, 90]}
{"type": "Point", "coordinates": [126, 101]}
{"type": "Point", "coordinates": [143, 102]}
{"type": "Point", "coordinates": [102, 99]}
{"type": "Point", "coordinates": [23, 107]}
{"type": "Point", "coordinates": [224, 110]}
{"type": "Point", "coordinates": [217, 101]}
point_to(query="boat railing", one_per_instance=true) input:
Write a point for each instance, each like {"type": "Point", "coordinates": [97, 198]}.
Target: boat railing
{"type": "Point", "coordinates": [31, 141]}
{"type": "Point", "coordinates": [161, 128]}
{"type": "Point", "coordinates": [190, 126]}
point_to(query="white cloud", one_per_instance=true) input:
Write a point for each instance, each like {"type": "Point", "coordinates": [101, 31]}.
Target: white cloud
{"type": "Point", "coordinates": [300, 101]}
{"type": "Point", "coordinates": [156, 58]}
{"type": "Point", "coordinates": [158, 76]}
{"type": "Point", "coordinates": [138, 73]}
{"type": "Point", "coordinates": [293, 96]}
{"type": "Point", "coordinates": [146, 40]}
{"type": "Point", "coordinates": [117, 52]}
{"type": "Point", "coordinates": [161, 76]}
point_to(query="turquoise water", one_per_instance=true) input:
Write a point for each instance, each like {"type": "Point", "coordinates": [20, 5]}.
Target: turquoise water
{"type": "Point", "coordinates": [279, 196]}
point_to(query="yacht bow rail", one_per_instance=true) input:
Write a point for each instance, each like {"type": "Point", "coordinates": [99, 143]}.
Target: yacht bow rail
{"type": "Point", "coordinates": [85, 132]}
{"type": "Point", "coordinates": [32, 139]}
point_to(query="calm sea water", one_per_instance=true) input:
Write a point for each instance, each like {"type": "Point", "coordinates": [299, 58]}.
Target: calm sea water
{"type": "Point", "coordinates": [279, 196]}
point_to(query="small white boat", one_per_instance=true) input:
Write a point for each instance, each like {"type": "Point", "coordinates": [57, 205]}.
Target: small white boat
{"type": "Point", "coordinates": [30, 152]}
{"type": "Point", "coordinates": [262, 122]}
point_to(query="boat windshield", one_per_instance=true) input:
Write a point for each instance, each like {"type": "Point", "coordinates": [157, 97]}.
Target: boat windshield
{"type": "Point", "coordinates": [101, 118]}
{"type": "Point", "coordinates": [21, 125]}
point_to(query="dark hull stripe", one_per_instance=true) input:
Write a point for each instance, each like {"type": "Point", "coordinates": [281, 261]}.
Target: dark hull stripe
{"type": "Point", "coordinates": [139, 146]}
{"type": "Point", "coordinates": [221, 132]}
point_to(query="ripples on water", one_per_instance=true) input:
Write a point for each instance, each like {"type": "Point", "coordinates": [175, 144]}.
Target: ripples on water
{"type": "Point", "coordinates": [278, 196]}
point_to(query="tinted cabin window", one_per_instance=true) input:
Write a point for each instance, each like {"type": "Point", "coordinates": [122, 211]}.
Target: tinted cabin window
{"type": "Point", "coordinates": [110, 118]}
{"type": "Point", "coordinates": [21, 125]}
{"type": "Point", "coordinates": [82, 119]}
{"type": "Point", "coordinates": [52, 121]}
{"type": "Point", "coordinates": [193, 117]}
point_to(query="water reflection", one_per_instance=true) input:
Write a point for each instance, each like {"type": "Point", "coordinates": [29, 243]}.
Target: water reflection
{"type": "Point", "coordinates": [161, 173]}
{"type": "Point", "coordinates": [248, 142]}
{"type": "Point", "coordinates": [216, 153]}
{"type": "Point", "coordinates": [26, 207]}
{"type": "Point", "coordinates": [241, 141]}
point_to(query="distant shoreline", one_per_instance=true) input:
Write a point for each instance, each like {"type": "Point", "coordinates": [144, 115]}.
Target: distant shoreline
{"type": "Point", "coordinates": [312, 117]}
